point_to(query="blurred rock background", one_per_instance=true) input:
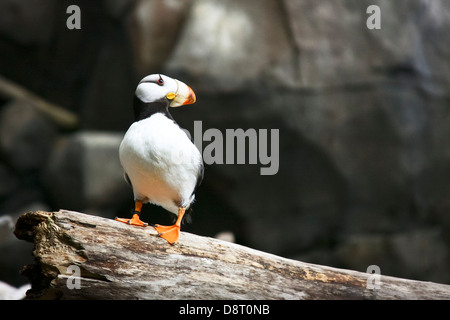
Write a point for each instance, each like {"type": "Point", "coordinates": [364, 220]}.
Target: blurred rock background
{"type": "Point", "coordinates": [363, 117]}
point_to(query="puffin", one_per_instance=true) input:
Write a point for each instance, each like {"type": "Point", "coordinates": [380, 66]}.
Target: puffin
{"type": "Point", "coordinates": [160, 162]}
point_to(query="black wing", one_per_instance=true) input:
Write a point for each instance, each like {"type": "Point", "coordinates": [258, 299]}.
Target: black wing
{"type": "Point", "coordinates": [200, 174]}
{"type": "Point", "coordinates": [188, 213]}
{"type": "Point", "coordinates": [127, 179]}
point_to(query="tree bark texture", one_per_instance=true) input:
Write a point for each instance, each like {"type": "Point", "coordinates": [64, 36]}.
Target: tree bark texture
{"type": "Point", "coordinates": [117, 261]}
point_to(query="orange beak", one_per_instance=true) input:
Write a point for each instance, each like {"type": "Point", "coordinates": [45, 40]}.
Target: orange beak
{"type": "Point", "coordinates": [191, 98]}
{"type": "Point", "coordinates": [183, 96]}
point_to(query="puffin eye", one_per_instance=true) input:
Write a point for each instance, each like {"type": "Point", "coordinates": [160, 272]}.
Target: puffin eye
{"type": "Point", "coordinates": [160, 81]}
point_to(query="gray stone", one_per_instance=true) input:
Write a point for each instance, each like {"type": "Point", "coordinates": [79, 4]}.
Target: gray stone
{"type": "Point", "coordinates": [84, 173]}
{"type": "Point", "coordinates": [228, 45]}
{"type": "Point", "coordinates": [154, 28]}
{"type": "Point", "coordinates": [409, 254]}
{"type": "Point", "coordinates": [27, 22]}
{"type": "Point", "coordinates": [26, 136]}
{"type": "Point", "coordinates": [6, 227]}
{"type": "Point", "coordinates": [118, 8]}
{"type": "Point", "coordinates": [9, 182]}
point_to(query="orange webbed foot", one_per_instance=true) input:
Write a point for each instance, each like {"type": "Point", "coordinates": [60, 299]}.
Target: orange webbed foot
{"type": "Point", "coordinates": [134, 221]}
{"type": "Point", "coordinates": [169, 233]}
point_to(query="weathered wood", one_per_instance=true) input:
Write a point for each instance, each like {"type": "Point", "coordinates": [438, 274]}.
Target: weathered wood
{"type": "Point", "coordinates": [63, 118]}
{"type": "Point", "coordinates": [117, 261]}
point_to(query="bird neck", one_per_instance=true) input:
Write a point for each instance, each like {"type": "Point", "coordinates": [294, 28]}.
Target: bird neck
{"type": "Point", "coordinates": [143, 110]}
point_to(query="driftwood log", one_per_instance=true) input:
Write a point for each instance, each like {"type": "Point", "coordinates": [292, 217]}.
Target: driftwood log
{"type": "Point", "coordinates": [79, 256]}
{"type": "Point", "coordinates": [63, 118]}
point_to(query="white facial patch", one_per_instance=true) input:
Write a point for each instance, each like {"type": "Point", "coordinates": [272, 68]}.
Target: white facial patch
{"type": "Point", "coordinates": [148, 90]}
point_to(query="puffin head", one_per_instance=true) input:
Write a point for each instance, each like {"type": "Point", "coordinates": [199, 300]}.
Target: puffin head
{"type": "Point", "coordinates": [157, 88]}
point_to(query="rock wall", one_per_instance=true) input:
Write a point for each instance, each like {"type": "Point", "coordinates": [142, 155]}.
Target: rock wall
{"type": "Point", "coordinates": [362, 117]}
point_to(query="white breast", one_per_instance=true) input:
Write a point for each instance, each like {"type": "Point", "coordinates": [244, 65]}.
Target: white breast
{"type": "Point", "coordinates": [161, 162]}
